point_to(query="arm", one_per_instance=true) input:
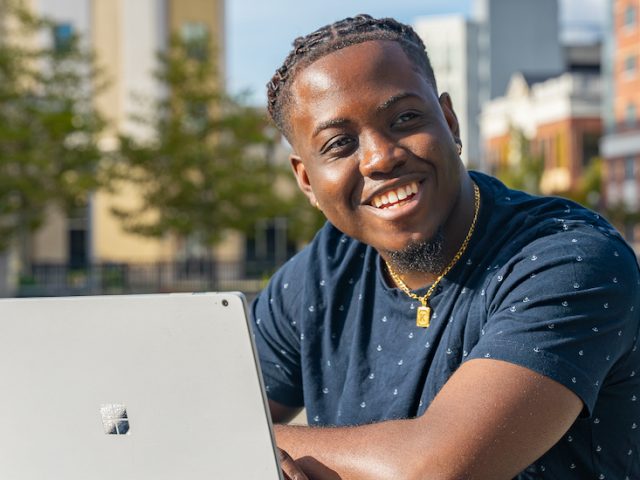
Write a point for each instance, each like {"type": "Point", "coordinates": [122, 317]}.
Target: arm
{"type": "Point", "coordinates": [490, 421]}
{"type": "Point", "coordinates": [281, 413]}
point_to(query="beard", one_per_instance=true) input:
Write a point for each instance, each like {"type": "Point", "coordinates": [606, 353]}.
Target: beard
{"type": "Point", "coordinates": [424, 257]}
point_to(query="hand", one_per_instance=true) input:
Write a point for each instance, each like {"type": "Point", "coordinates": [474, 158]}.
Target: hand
{"type": "Point", "coordinates": [290, 468]}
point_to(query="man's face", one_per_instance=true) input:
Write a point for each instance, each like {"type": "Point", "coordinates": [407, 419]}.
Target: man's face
{"type": "Point", "coordinates": [374, 146]}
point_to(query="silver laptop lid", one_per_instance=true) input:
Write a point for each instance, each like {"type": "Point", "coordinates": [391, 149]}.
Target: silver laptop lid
{"type": "Point", "coordinates": [132, 387]}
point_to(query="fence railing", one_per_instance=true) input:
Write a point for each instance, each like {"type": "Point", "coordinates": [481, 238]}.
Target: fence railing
{"type": "Point", "coordinates": [248, 277]}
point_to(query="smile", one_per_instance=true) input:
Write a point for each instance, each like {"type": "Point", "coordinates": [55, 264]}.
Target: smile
{"type": "Point", "coordinates": [396, 196]}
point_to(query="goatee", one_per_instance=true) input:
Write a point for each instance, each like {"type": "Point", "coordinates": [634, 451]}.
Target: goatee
{"type": "Point", "coordinates": [425, 257]}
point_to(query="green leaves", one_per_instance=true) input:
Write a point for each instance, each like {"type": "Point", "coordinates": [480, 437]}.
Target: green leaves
{"type": "Point", "coordinates": [48, 126]}
{"type": "Point", "coordinates": [206, 168]}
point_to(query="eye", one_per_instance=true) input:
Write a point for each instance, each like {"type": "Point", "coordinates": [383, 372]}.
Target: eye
{"type": "Point", "coordinates": [405, 118]}
{"type": "Point", "coordinates": [337, 144]}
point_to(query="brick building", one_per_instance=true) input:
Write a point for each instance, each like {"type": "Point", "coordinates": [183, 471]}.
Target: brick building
{"type": "Point", "coordinates": [621, 143]}
{"type": "Point", "coordinates": [559, 117]}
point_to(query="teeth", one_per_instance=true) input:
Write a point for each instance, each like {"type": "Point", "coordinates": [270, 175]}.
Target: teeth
{"type": "Point", "coordinates": [392, 197]}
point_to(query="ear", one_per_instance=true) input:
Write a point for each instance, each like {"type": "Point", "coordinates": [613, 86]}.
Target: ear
{"type": "Point", "coordinates": [450, 116]}
{"type": "Point", "coordinates": [300, 171]}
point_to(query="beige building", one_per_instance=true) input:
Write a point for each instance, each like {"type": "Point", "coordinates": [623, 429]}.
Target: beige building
{"type": "Point", "coordinates": [126, 36]}
{"type": "Point", "coordinates": [138, 30]}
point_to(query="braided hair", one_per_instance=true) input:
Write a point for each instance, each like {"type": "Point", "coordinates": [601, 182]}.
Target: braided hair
{"type": "Point", "coordinates": [338, 35]}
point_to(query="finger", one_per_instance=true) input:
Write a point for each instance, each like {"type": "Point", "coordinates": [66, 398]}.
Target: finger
{"type": "Point", "coordinates": [290, 468]}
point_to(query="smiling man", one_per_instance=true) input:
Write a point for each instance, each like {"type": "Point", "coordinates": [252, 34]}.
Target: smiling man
{"type": "Point", "coordinates": [440, 325]}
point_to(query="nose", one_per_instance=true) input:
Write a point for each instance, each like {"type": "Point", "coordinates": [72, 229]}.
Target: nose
{"type": "Point", "coordinates": [380, 155]}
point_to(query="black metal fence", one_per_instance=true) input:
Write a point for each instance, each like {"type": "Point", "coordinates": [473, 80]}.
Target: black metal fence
{"type": "Point", "coordinates": [123, 278]}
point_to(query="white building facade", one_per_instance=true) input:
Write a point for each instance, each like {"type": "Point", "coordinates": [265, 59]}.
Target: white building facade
{"type": "Point", "coordinates": [451, 43]}
{"type": "Point", "coordinates": [559, 116]}
{"type": "Point", "coordinates": [474, 59]}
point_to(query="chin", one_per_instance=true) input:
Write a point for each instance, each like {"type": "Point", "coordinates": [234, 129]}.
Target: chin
{"type": "Point", "coordinates": [424, 256]}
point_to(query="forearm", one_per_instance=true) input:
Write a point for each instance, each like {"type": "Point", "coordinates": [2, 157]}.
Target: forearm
{"type": "Point", "coordinates": [489, 422]}
{"type": "Point", "coordinates": [376, 451]}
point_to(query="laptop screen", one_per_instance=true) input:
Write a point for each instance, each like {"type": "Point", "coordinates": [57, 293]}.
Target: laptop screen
{"type": "Point", "coordinates": [132, 387]}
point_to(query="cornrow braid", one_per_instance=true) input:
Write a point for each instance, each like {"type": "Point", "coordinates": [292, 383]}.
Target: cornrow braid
{"type": "Point", "coordinates": [338, 35]}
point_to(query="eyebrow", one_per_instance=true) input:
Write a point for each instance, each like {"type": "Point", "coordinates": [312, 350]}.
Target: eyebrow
{"type": "Point", "coordinates": [335, 122]}
{"type": "Point", "coordinates": [395, 99]}
{"type": "Point", "coordinates": [338, 122]}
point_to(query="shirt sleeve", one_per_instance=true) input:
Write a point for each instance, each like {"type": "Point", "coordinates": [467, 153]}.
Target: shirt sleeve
{"type": "Point", "coordinates": [275, 327]}
{"type": "Point", "coordinates": [566, 306]}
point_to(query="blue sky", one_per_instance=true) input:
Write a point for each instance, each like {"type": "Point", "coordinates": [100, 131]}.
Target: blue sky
{"type": "Point", "coordinates": [260, 32]}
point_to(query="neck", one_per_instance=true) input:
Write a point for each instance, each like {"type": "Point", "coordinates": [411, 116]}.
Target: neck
{"type": "Point", "coordinates": [414, 280]}
{"type": "Point", "coordinates": [454, 230]}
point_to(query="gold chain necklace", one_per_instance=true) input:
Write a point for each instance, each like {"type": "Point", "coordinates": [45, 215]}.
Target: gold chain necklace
{"type": "Point", "coordinates": [423, 315]}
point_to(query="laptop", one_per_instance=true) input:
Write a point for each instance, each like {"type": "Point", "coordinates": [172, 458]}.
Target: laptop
{"type": "Point", "coordinates": [132, 387]}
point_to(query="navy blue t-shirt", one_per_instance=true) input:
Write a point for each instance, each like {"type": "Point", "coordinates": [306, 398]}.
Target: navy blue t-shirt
{"type": "Point", "coordinates": [544, 283]}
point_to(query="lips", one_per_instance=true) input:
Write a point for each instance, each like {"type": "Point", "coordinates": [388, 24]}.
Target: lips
{"type": "Point", "coordinates": [395, 197]}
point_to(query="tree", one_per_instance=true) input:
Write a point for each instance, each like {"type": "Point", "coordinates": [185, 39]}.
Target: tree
{"type": "Point", "coordinates": [586, 190]}
{"type": "Point", "coordinates": [524, 169]}
{"type": "Point", "coordinates": [48, 125]}
{"type": "Point", "coordinates": [203, 167]}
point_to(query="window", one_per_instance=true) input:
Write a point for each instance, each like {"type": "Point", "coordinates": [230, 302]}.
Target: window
{"type": "Point", "coordinates": [630, 16]}
{"type": "Point", "coordinates": [195, 36]}
{"type": "Point", "coordinates": [631, 115]}
{"type": "Point", "coordinates": [630, 168]}
{"type": "Point", "coordinates": [590, 147]}
{"type": "Point", "coordinates": [62, 37]}
{"type": "Point", "coordinates": [268, 246]}
{"type": "Point", "coordinates": [630, 65]}
{"type": "Point", "coordinates": [78, 255]}
{"type": "Point", "coordinates": [78, 238]}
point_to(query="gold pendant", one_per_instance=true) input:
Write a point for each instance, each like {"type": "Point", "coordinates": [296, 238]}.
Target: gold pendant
{"type": "Point", "coordinates": [423, 317]}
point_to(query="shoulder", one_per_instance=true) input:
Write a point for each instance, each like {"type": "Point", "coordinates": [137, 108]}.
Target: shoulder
{"type": "Point", "coordinates": [329, 251]}
{"type": "Point", "coordinates": [515, 221]}
{"type": "Point", "coordinates": [553, 255]}
{"type": "Point", "coordinates": [329, 255]}
{"type": "Point", "coordinates": [561, 289]}
{"type": "Point", "coordinates": [508, 204]}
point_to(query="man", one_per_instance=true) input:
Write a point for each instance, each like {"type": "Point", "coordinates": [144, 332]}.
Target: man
{"type": "Point", "coordinates": [440, 325]}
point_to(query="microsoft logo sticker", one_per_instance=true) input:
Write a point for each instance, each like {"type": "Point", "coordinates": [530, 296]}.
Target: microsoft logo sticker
{"type": "Point", "coordinates": [114, 419]}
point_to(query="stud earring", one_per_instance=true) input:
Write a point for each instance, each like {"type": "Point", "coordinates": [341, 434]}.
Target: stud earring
{"type": "Point", "coordinates": [459, 148]}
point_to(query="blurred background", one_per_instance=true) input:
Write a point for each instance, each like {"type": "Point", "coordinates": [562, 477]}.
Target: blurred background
{"type": "Point", "coordinates": [136, 155]}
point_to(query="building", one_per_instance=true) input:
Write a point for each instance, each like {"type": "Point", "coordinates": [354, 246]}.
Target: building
{"type": "Point", "coordinates": [451, 42]}
{"type": "Point", "coordinates": [474, 59]}
{"type": "Point", "coordinates": [558, 116]}
{"type": "Point", "coordinates": [621, 113]}
{"type": "Point", "coordinates": [517, 36]}
{"type": "Point", "coordinates": [126, 37]}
